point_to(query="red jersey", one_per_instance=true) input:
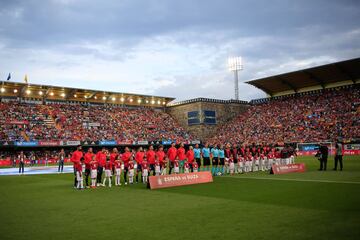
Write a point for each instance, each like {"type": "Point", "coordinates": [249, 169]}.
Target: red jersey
{"type": "Point", "coordinates": [117, 164]}
{"type": "Point", "coordinates": [93, 165]}
{"type": "Point", "coordinates": [181, 153]}
{"type": "Point", "coordinates": [186, 165]}
{"type": "Point", "coordinates": [108, 165]}
{"type": "Point", "coordinates": [139, 157]}
{"type": "Point", "coordinates": [160, 155]}
{"type": "Point", "coordinates": [227, 153]}
{"type": "Point", "coordinates": [78, 166]}
{"type": "Point", "coordinates": [190, 156]}
{"type": "Point", "coordinates": [126, 158]}
{"type": "Point", "coordinates": [76, 156]}
{"type": "Point", "coordinates": [130, 165]}
{"type": "Point", "coordinates": [144, 165]}
{"type": "Point", "coordinates": [113, 157]}
{"type": "Point", "coordinates": [176, 163]}
{"type": "Point", "coordinates": [150, 155]}
{"type": "Point", "coordinates": [87, 159]}
{"type": "Point", "coordinates": [101, 158]}
{"type": "Point", "coordinates": [195, 165]}
{"type": "Point", "coordinates": [172, 152]}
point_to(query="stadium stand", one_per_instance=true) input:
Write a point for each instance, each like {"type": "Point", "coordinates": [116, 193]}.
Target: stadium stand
{"type": "Point", "coordinates": [315, 116]}
{"type": "Point", "coordinates": [23, 121]}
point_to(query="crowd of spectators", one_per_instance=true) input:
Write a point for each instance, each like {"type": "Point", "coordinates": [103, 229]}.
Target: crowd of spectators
{"type": "Point", "coordinates": [88, 123]}
{"type": "Point", "coordinates": [312, 117]}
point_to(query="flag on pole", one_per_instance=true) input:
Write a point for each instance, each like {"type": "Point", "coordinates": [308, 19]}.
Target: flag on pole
{"type": "Point", "coordinates": [9, 77]}
{"type": "Point", "coordinates": [26, 78]}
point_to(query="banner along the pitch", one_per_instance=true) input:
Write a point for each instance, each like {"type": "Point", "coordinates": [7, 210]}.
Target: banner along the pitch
{"type": "Point", "coordinates": [174, 180]}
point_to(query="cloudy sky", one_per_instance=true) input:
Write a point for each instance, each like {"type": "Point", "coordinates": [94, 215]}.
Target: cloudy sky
{"type": "Point", "coordinates": [175, 48]}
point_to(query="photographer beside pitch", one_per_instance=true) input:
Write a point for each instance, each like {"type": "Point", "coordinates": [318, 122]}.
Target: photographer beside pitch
{"type": "Point", "coordinates": [338, 155]}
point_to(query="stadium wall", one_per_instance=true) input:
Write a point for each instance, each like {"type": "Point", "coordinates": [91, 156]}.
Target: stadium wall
{"type": "Point", "coordinates": [224, 110]}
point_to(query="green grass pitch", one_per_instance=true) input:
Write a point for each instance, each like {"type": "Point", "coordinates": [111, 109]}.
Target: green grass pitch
{"type": "Point", "coordinates": [312, 205]}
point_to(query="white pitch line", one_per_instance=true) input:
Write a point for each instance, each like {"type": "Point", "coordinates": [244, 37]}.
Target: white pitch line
{"type": "Point", "coordinates": [296, 180]}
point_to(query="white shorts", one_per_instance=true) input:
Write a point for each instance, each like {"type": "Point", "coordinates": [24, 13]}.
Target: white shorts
{"type": "Point", "coordinates": [195, 170]}
{"type": "Point", "coordinates": [145, 173]}
{"type": "Point", "coordinates": [176, 169]}
{"type": "Point", "coordinates": [107, 173]}
{"type": "Point", "coordinates": [93, 173]}
{"type": "Point", "coordinates": [240, 164]}
{"type": "Point", "coordinates": [117, 171]}
{"type": "Point", "coordinates": [257, 162]}
{"type": "Point", "coordinates": [78, 176]}
{"type": "Point", "coordinates": [232, 166]}
{"type": "Point", "coordinates": [131, 172]}
{"type": "Point", "coordinates": [186, 170]}
{"type": "Point", "coordinates": [157, 169]}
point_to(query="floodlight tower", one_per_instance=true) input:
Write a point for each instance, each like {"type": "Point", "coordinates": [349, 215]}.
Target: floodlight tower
{"type": "Point", "coordinates": [235, 65]}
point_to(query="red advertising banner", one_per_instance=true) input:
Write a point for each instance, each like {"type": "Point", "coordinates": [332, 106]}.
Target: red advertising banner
{"type": "Point", "coordinates": [288, 168]}
{"type": "Point", "coordinates": [49, 143]}
{"type": "Point", "coordinates": [5, 163]}
{"type": "Point", "coordinates": [313, 152]}
{"type": "Point", "coordinates": [175, 180]}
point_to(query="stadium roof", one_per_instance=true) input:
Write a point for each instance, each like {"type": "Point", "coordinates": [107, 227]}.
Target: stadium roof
{"type": "Point", "coordinates": [316, 77]}
{"type": "Point", "coordinates": [47, 92]}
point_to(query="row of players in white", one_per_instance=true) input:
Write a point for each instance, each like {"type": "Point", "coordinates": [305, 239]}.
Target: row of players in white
{"type": "Point", "coordinates": [255, 164]}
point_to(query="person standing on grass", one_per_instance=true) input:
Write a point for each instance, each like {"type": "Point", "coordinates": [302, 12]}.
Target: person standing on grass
{"type": "Point", "coordinates": [61, 159]}
{"type": "Point", "coordinates": [87, 160]}
{"type": "Point", "coordinates": [221, 153]}
{"type": "Point", "coordinates": [190, 157]}
{"type": "Point", "coordinates": [139, 158]}
{"type": "Point", "coordinates": [160, 154]}
{"type": "Point", "coordinates": [197, 155]}
{"type": "Point", "coordinates": [171, 154]}
{"type": "Point", "coordinates": [101, 159]}
{"type": "Point", "coordinates": [126, 157]}
{"type": "Point", "coordinates": [181, 156]}
{"type": "Point", "coordinates": [75, 159]}
{"type": "Point", "coordinates": [324, 150]}
{"type": "Point", "coordinates": [215, 159]}
{"type": "Point", "coordinates": [338, 155]}
{"type": "Point", "coordinates": [205, 152]}
{"type": "Point", "coordinates": [21, 162]}
{"type": "Point", "coordinates": [150, 156]}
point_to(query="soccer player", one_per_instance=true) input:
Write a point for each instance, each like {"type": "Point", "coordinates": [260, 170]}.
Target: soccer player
{"type": "Point", "coordinates": [231, 166]}
{"type": "Point", "coordinates": [139, 158]}
{"type": "Point", "coordinates": [215, 159]}
{"type": "Point", "coordinates": [130, 168]}
{"type": "Point", "coordinates": [93, 166]}
{"type": "Point", "coordinates": [197, 154]}
{"type": "Point", "coordinates": [61, 160]}
{"type": "Point", "coordinates": [176, 166]}
{"type": "Point", "coordinates": [235, 151]}
{"type": "Point", "coordinates": [181, 156]}
{"type": "Point", "coordinates": [190, 157]}
{"type": "Point", "coordinates": [160, 154]}
{"type": "Point", "coordinates": [87, 159]}
{"type": "Point", "coordinates": [79, 177]}
{"type": "Point", "coordinates": [145, 171]}
{"type": "Point", "coordinates": [226, 166]}
{"type": "Point", "coordinates": [241, 161]}
{"type": "Point", "coordinates": [186, 167]}
{"type": "Point", "coordinates": [127, 159]}
{"type": "Point", "coordinates": [205, 152]}
{"type": "Point", "coordinates": [157, 166]}
{"type": "Point", "coordinates": [195, 167]}
{"type": "Point", "coordinates": [117, 166]}
{"type": "Point", "coordinates": [221, 153]}
{"type": "Point", "coordinates": [150, 156]}
{"type": "Point", "coordinates": [21, 162]}
{"type": "Point", "coordinates": [108, 168]}
{"type": "Point", "coordinates": [113, 156]}
{"type": "Point", "coordinates": [75, 159]}
{"type": "Point", "coordinates": [101, 159]}
{"type": "Point", "coordinates": [171, 154]}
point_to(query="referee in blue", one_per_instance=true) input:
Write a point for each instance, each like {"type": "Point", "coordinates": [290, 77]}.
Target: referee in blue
{"type": "Point", "coordinates": [205, 152]}
{"type": "Point", "coordinates": [197, 155]}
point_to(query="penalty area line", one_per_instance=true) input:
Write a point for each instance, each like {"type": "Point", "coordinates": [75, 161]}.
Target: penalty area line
{"type": "Point", "coordinates": [295, 180]}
